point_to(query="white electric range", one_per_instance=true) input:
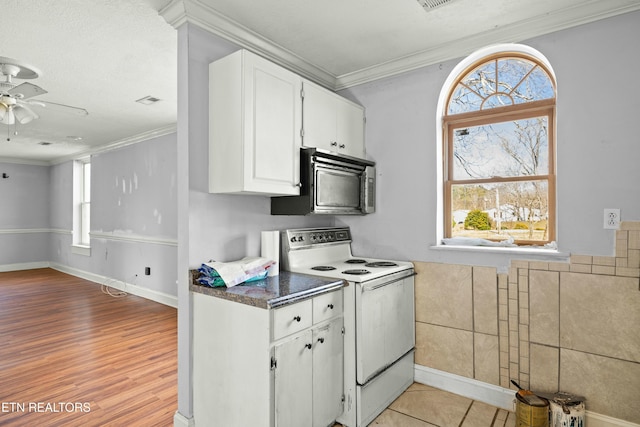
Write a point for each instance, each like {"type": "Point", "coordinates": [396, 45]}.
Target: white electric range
{"type": "Point", "coordinates": [379, 317]}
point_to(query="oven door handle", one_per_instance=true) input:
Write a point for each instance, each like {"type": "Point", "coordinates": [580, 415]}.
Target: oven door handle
{"type": "Point", "coordinates": [383, 283]}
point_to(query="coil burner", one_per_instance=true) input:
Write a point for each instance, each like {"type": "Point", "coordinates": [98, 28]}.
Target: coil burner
{"type": "Point", "coordinates": [323, 268]}
{"type": "Point", "coordinates": [356, 271]}
{"type": "Point", "coordinates": [381, 264]}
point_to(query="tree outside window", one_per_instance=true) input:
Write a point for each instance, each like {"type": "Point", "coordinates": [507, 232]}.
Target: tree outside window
{"type": "Point", "coordinates": [499, 171]}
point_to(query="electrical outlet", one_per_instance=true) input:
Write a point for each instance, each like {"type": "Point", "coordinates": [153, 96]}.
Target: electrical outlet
{"type": "Point", "coordinates": [147, 271]}
{"type": "Point", "coordinates": [612, 219]}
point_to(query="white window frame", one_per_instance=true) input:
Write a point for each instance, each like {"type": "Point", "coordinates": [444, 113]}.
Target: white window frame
{"type": "Point", "coordinates": [81, 239]}
{"type": "Point", "coordinates": [441, 109]}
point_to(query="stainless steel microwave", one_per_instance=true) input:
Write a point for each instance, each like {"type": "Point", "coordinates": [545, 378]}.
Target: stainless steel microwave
{"type": "Point", "coordinates": [331, 183]}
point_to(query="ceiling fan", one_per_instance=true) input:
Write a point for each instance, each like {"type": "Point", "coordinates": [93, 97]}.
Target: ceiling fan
{"type": "Point", "coordinates": [16, 99]}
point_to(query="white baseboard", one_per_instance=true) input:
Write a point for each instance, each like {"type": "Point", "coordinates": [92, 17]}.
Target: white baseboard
{"type": "Point", "coordinates": [24, 266]}
{"type": "Point", "coordinates": [599, 420]}
{"type": "Point", "coordinates": [495, 395]}
{"type": "Point", "coordinates": [129, 288]}
{"type": "Point", "coordinates": [180, 420]}
{"type": "Point", "coordinates": [473, 389]}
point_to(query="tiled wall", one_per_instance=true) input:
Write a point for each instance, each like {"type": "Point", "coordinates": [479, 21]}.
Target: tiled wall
{"type": "Point", "coordinates": [550, 326]}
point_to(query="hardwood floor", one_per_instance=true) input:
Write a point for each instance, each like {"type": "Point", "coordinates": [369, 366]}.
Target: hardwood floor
{"type": "Point", "coordinates": [71, 355]}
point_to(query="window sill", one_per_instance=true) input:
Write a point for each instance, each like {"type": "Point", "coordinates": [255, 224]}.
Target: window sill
{"type": "Point", "coordinates": [81, 250]}
{"type": "Point", "coordinates": [538, 252]}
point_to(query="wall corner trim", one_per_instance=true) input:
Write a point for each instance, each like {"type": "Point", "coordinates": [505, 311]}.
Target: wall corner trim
{"type": "Point", "coordinates": [180, 420]}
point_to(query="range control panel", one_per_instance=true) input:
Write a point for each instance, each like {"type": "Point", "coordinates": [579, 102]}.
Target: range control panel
{"type": "Point", "coordinates": [305, 237]}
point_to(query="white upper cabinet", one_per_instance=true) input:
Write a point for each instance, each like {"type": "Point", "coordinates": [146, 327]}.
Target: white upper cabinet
{"type": "Point", "coordinates": [331, 122]}
{"type": "Point", "coordinates": [255, 118]}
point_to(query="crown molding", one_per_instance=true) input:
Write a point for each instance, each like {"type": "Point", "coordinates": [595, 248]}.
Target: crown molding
{"type": "Point", "coordinates": [178, 12]}
{"type": "Point", "coordinates": [155, 133]}
{"type": "Point", "coordinates": [561, 20]}
{"type": "Point", "coordinates": [19, 161]}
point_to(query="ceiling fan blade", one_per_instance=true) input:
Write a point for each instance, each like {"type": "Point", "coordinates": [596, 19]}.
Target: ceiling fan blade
{"type": "Point", "coordinates": [26, 91]}
{"type": "Point", "coordinates": [68, 109]}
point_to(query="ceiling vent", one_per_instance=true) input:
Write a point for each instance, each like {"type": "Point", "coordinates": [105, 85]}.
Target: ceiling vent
{"type": "Point", "coordinates": [148, 100]}
{"type": "Point", "coordinates": [432, 4]}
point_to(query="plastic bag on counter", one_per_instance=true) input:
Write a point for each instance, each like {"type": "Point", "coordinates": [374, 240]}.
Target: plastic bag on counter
{"type": "Point", "coordinates": [248, 269]}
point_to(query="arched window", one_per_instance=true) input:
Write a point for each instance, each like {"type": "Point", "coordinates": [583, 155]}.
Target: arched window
{"type": "Point", "coordinates": [498, 125]}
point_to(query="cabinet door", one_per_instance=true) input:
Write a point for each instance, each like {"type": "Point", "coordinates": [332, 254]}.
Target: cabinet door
{"type": "Point", "coordinates": [332, 122]}
{"type": "Point", "coordinates": [328, 373]}
{"type": "Point", "coordinates": [350, 128]}
{"type": "Point", "coordinates": [293, 381]}
{"type": "Point", "coordinates": [271, 128]}
{"type": "Point", "coordinates": [255, 118]}
{"type": "Point", "coordinates": [319, 118]}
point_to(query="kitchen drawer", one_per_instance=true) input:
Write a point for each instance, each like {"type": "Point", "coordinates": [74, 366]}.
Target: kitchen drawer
{"type": "Point", "coordinates": [327, 305]}
{"type": "Point", "coordinates": [292, 318]}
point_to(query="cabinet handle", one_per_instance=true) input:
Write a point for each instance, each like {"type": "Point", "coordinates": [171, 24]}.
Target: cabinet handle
{"type": "Point", "coordinates": [308, 346]}
{"type": "Point", "coordinates": [342, 145]}
{"type": "Point", "coordinates": [334, 143]}
{"type": "Point", "coordinates": [299, 184]}
{"type": "Point", "coordinates": [297, 318]}
{"type": "Point", "coordinates": [330, 306]}
{"type": "Point", "coordinates": [321, 340]}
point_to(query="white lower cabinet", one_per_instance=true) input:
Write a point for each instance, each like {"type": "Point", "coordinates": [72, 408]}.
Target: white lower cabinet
{"type": "Point", "coordinates": [260, 367]}
{"type": "Point", "coordinates": [293, 363]}
{"type": "Point", "coordinates": [328, 373]}
{"type": "Point", "coordinates": [309, 377]}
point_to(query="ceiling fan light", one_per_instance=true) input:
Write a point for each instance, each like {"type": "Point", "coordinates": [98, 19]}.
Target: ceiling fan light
{"type": "Point", "coordinates": [3, 111]}
{"type": "Point", "coordinates": [24, 115]}
{"type": "Point", "coordinates": [8, 118]}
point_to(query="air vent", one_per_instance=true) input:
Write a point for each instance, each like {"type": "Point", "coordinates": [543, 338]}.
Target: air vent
{"type": "Point", "coordinates": [148, 100]}
{"type": "Point", "coordinates": [431, 4]}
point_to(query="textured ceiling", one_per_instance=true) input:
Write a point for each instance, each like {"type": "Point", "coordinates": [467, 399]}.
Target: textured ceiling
{"type": "Point", "coordinates": [102, 55]}
{"type": "Point", "coordinates": [98, 55]}
{"type": "Point", "coordinates": [342, 43]}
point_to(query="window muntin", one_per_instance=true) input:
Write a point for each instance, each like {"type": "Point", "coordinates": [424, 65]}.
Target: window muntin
{"type": "Point", "coordinates": [499, 152]}
{"type": "Point", "coordinates": [501, 82]}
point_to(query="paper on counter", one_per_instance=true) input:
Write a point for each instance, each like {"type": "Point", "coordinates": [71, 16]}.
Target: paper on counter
{"type": "Point", "coordinates": [236, 272]}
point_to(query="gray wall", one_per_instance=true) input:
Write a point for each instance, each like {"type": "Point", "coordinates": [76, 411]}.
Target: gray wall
{"type": "Point", "coordinates": [134, 189]}
{"type": "Point", "coordinates": [221, 227]}
{"type": "Point", "coordinates": [597, 146]}
{"type": "Point", "coordinates": [133, 215]}
{"type": "Point", "coordinates": [24, 214]}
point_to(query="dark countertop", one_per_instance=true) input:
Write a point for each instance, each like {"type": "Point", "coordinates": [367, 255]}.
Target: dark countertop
{"type": "Point", "coordinates": [272, 292]}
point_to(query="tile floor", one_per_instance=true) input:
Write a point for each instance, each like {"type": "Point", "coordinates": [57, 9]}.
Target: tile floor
{"type": "Point", "coordinates": [424, 406]}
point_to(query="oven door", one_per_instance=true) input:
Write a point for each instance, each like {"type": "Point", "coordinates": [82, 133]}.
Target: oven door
{"type": "Point", "coordinates": [385, 323]}
{"type": "Point", "coordinates": [337, 189]}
